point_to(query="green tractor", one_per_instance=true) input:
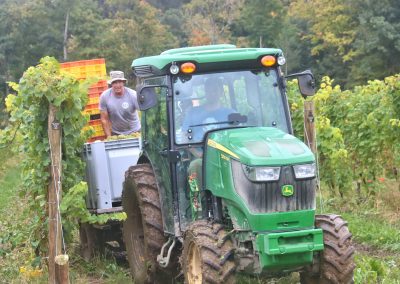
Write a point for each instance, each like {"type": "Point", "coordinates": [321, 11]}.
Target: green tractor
{"type": "Point", "coordinates": [222, 186]}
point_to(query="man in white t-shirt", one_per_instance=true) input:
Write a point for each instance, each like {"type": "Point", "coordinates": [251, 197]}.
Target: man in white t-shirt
{"type": "Point", "coordinates": [119, 107]}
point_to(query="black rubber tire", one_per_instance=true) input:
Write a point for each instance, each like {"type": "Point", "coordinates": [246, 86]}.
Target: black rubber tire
{"type": "Point", "coordinates": [142, 230]}
{"type": "Point", "coordinates": [335, 264]}
{"type": "Point", "coordinates": [215, 254]}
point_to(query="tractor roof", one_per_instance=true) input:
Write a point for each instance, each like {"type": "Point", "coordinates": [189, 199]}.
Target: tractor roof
{"type": "Point", "coordinates": [207, 57]}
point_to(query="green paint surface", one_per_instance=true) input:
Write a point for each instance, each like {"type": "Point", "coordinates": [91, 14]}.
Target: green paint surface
{"type": "Point", "coordinates": [286, 249]}
{"type": "Point", "coordinates": [283, 239]}
{"type": "Point", "coordinates": [264, 146]}
{"type": "Point", "coordinates": [204, 54]}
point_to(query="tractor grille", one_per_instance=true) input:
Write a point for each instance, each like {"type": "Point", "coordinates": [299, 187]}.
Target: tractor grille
{"type": "Point", "coordinates": [143, 71]}
{"type": "Point", "coordinates": [263, 197]}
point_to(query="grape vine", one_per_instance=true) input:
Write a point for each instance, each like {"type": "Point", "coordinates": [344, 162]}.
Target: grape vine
{"type": "Point", "coordinates": [39, 87]}
{"type": "Point", "coordinates": [358, 131]}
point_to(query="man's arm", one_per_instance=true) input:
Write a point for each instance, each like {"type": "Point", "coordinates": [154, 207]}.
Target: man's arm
{"type": "Point", "coordinates": [105, 122]}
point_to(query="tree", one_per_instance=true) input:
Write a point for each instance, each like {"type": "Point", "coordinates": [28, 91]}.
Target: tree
{"type": "Point", "coordinates": [209, 21]}
{"type": "Point", "coordinates": [266, 24]}
{"type": "Point", "coordinates": [262, 22]}
{"type": "Point", "coordinates": [175, 21]}
{"type": "Point", "coordinates": [377, 42]}
{"type": "Point", "coordinates": [167, 4]}
{"type": "Point", "coordinates": [329, 29]}
{"type": "Point", "coordinates": [132, 29]}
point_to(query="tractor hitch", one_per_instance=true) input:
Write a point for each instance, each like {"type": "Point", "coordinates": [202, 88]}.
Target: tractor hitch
{"type": "Point", "coordinates": [164, 261]}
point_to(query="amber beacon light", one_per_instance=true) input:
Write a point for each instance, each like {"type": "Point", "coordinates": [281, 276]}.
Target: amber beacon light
{"type": "Point", "coordinates": [268, 60]}
{"type": "Point", "coordinates": [188, 67]}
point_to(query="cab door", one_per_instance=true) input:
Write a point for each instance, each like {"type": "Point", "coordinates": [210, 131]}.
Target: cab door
{"type": "Point", "coordinates": [155, 144]}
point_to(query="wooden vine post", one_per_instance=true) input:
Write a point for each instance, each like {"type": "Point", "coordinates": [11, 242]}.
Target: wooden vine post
{"type": "Point", "coordinates": [309, 125]}
{"type": "Point", "coordinates": [58, 271]}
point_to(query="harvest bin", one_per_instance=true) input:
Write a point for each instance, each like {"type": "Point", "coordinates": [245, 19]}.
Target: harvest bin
{"type": "Point", "coordinates": [106, 163]}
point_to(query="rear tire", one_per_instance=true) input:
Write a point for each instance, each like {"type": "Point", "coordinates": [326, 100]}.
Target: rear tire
{"type": "Point", "coordinates": [206, 256]}
{"type": "Point", "coordinates": [335, 264]}
{"type": "Point", "coordinates": [143, 229]}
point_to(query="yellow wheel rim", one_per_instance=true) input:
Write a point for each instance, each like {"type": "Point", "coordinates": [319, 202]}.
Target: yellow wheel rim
{"type": "Point", "coordinates": [194, 265]}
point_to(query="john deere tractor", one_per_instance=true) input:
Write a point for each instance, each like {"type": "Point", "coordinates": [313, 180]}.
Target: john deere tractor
{"type": "Point", "coordinates": [223, 188]}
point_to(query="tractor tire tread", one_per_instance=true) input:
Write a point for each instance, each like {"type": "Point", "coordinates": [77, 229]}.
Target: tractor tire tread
{"type": "Point", "coordinates": [336, 263]}
{"type": "Point", "coordinates": [217, 264]}
{"type": "Point", "coordinates": [141, 201]}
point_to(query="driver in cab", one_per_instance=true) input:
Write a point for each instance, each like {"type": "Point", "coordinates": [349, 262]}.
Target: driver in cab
{"type": "Point", "coordinates": [208, 115]}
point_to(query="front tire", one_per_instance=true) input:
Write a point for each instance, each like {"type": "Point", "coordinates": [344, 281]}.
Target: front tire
{"type": "Point", "coordinates": [207, 255]}
{"type": "Point", "coordinates": [335, 264]}
{"type": "Point", "coordinates": [142, 230]}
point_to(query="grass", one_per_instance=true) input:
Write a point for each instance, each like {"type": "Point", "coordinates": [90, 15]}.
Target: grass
{"type": "Point", "coordinates": [369, 228]}
{"type": "Point", "coordinates": [13, 254]}
{"type": "Point", "coordinates": [16, 253]}
{"type": "Point", "coordinates": [372, 269]}
{"type": "Point", "coordinates": [9, 180]}
{"type": "Point", "coordinates": [375, 225]}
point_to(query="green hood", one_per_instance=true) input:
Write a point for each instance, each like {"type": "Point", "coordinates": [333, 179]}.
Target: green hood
{"type": "Point", "coordinates": [261, 146]}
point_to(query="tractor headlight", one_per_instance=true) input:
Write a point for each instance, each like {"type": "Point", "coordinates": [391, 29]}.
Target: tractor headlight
{"type": "Point", "coordinates": [262, 173]}
{"type": "Point", "coordinates": [304, 171]}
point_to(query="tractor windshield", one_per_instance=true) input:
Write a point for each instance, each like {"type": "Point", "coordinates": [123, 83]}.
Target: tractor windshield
{"type": "Point", "coordinates": [220, 100]}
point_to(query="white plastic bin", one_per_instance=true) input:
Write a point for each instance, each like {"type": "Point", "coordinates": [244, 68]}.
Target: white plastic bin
{"type": "Point", "coordinates": [106, 164]}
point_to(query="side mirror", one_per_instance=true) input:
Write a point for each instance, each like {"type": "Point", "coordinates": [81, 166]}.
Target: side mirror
{"type": "Point", "coordinates": [146, 97]}
{"type": "Point", "coordinates": [306, 83]}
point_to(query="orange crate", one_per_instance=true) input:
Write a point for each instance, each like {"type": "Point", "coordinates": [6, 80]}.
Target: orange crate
{"type": "Point", "coordinates": [94, 100]}
{"type": "Point", "coordinates": [95, 138]}
{"type": "Point", "coordinates": [87, 71]}
{"type": "Point", "coordinates": [85, 68]}
{"type": "Point", "coordinates": [98, 61]}
{"type": "Point", "coordinates": [96, 90]}
{"type": "Point", "coordinates": [96, 126]}
{"type": "Point", "coordinates": [94, 95]}
{"type": "Point", "coordinates": [94, 122]}
{"type": "Point", "coordinates": [92, 107]}
{"type": "Point", "coordinates": [91, 111]}
{"type": "Point", "coordinates": [99, 131]}
{"type": "Point", "coordinates": [101, 83]}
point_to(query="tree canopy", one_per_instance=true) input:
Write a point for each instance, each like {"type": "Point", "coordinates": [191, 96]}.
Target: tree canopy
{"type": "Point", "coordinates": [352, 41]}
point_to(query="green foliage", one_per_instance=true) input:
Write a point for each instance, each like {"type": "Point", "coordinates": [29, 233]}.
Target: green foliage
{"type": "Point", "coordinates": [126, 30]}
{"type": "Point", "coordinates": [261, 22]}
{"type": "Point", "coordinates": [17, 242]}
{"type": "Point", "coordinates": [73, 206]}
{"type": "Point", "coordinates": [209, 22]}
{"type": "Point", "coordinates": [365, 273]}
{"type": "Point", "coordinates": [332, 155]}
{"type": "Point", "coordinates": [377, 40]}
{"type": "Point", "coordinates": [101, 269]}
{"type": "Point", "coordinates": [18, 260]}
{"type": "Point", "coordinates": [371, 270]}
{"type": "Point", "coordinates": [38, 88]}
{"type": "Point", "coordinates": [374, 232]}
{"type": "Point", "coordinates": [357, 131]}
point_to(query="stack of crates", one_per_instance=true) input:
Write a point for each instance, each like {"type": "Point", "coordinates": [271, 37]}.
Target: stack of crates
{"type": "Point", "coordinates": [91, 68]}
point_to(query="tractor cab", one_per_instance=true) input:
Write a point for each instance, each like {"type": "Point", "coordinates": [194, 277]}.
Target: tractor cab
{"type": "Point", "coordinates": [188, 96]}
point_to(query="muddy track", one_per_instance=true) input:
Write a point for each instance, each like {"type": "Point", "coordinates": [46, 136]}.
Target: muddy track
{"type": "Point", "coordinates": [369, 250]}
